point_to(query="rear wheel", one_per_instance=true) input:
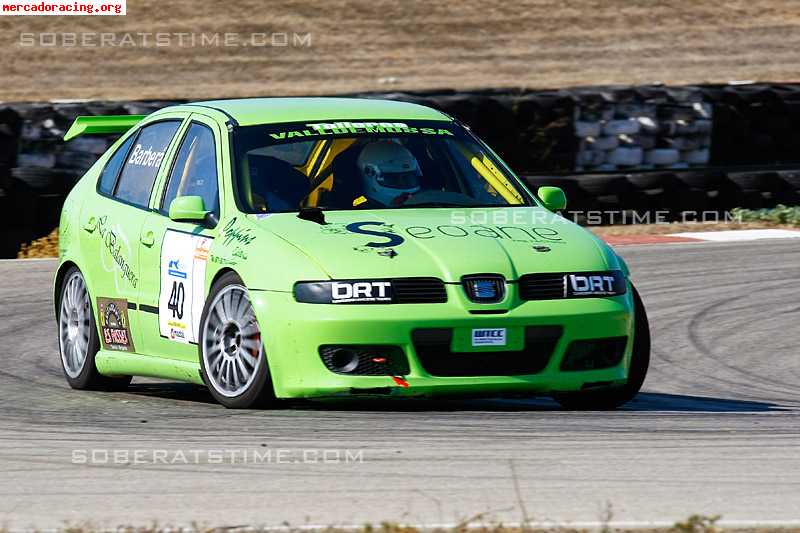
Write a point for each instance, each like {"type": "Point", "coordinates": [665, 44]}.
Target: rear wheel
{"type": "Point", "coordinates": [78, 342]}
{"type": "Point", "coordinates": [232, 358]}
{"type": "Point", "coordinates": [611, 398]}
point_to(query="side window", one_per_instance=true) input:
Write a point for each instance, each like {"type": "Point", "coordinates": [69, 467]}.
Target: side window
{"type": "Point", "coordinates": [109, 175]}
{"type": "Point", "coordinates": [195, 170]}
{"type": "Point", "coordinates": [143, 162]}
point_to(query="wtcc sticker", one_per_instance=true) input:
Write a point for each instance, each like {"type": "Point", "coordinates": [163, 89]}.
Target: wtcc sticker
{"type": "Point", "coordinates": [489, 337]}
{"type": "Point", "coordinates": [115, 331]}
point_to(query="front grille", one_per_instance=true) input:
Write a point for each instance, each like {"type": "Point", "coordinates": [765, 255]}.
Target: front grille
{"type": "Point", "coordinates": [419, 290]}
{"type": "Point", "coordinates": [433, 351]}
{"type": "Point", "coordinates": [360, 360]}
{"type": "Point", "coordinates": [542, 286]}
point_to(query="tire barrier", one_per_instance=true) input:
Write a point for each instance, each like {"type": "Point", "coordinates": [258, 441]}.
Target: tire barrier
{"type": "Point", "coordinates": [38, 169]}
{"type": "Point", "coordinates": [644, 148]}
{"type": "Point", "coordinates": [669, 195]}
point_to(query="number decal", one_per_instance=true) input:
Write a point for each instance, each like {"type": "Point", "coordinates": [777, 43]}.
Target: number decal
{"type": "Point", "coordinates": [183, 276]}
{"type": "Point", "coordinates": [176, 299]}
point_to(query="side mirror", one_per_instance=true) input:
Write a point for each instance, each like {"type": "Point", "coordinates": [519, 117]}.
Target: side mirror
{"type": "Point", "coordinates": [553, 198]}
{"type": "Point", "coordinates": [188, 209]}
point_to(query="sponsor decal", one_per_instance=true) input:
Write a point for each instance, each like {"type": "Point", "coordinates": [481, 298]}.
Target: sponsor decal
{"type": "Point", "coordinates": [113, 241]}
{"type": "Point", "coordinates": [175, 270]}
{"type": "Point", "coordinates": [202, 249]}
{"type": "Point", "coordinates": [177, 331]}
{"type": "Point", "coordinates": [322, 126]}
{"type": "Point", "coordinates": [594, 285]}
{"type": "Point", "coordinates": [355, 128]}
{"type": "Point", "coordinates": [220, 260]}
{"type": "Point", "coordinates": [361, 291]}
{"type": "Point", "coordinates": [145, 158]}
{"type": "Point", "coordinates": [391, 237]}
{"type": "Point", "coordinates": [489, 337]}
{"type": "Point", "coordinates": [115, 331]}
{"type": "Point", "coordinates": [234, 234]}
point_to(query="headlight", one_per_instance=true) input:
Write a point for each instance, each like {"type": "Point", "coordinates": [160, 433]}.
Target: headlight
{"type": "Point", "coordinates": [344, 292]}
{"type": "Point", "coordinates": [596, 284]}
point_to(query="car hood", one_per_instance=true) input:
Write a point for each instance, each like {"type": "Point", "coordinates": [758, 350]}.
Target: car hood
{"type": "Point", "coordinates": [443, 243]}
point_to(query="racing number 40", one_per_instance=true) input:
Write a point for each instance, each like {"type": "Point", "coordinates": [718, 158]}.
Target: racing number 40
{"type": "Point", "coordinates": [176, 299]}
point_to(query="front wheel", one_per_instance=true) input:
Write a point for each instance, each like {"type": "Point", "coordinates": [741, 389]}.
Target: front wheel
{"type": "Point", "coordinates": [232, 358]}
{"type": "Point", "coordinates": [611, 398]}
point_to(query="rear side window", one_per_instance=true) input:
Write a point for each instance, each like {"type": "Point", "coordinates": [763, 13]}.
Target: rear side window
{"type": "Point", "coordinates": [109, 175]}
{"type": "Point", "coordinates": [144, 159]}
{"type": "Point", "coordinates": [195, 170]}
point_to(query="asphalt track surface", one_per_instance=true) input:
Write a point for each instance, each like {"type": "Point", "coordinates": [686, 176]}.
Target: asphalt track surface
{"type": "Point", "coordinates": [716, 430]}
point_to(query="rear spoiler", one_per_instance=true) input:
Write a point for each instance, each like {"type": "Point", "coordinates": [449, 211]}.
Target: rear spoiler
{"type": "Point", "coordinates": [102, 124]}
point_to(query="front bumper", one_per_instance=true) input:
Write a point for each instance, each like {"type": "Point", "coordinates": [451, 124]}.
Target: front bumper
{"type": "Point", "coordinates": [293, 332]}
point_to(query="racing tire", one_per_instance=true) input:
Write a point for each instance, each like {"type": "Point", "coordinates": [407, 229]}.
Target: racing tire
{"type": "Point", "coordinates": [233, 362]}
{"type": "Point", "coordinates": [611, 398]}
{"type": "Point", "coordinates": [643, 181]}
{"type": "Point", "coordinates": [78, 341]}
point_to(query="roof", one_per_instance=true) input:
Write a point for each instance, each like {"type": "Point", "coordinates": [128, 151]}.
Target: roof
{"type": "Point", "coordinates": [252, 111]}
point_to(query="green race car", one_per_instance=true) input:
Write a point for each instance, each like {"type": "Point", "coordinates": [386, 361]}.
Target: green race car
{"type": "Point", "coordinates": [323, 247]}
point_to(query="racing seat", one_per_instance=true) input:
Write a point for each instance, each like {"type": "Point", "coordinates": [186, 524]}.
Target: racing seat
{"type": "Point", "coordinates": [347, 184]}
{"type": "Point", "coordinates": [275, 184]}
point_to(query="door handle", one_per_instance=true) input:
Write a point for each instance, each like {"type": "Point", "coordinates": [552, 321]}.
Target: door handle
{"type": "Point", "coordinates": [90, 225]}
{"type": "Point", "coordinates": [147, 238]}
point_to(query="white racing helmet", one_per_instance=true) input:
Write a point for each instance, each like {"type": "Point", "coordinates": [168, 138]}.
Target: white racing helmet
{"type": "Point", "coordinates": [389, 170]}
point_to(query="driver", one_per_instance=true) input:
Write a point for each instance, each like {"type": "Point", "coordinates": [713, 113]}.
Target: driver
{"type": "Point", "coordinates": [389, 171]}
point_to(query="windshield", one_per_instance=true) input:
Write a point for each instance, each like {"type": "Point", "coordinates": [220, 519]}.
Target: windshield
{"type": "Point", "coordinates": [368, 165]}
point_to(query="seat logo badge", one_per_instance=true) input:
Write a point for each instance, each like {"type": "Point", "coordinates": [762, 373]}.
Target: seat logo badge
{"type": "Point", "coordinates": [485, 289]}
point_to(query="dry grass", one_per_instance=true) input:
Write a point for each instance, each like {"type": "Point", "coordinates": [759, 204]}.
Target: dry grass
{"type": "Point", "coordinates": [384, 45]}
{"type": "Point", "coordinates": [702, 524]}
{"type": "Point", "coordinates": [46, 246]}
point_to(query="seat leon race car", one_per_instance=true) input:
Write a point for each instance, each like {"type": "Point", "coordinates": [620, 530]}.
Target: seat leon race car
{"type": "Point", "coordinates": [329, 247]}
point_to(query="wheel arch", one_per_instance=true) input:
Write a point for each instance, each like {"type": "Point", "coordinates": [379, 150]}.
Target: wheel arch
{"type": "Point", "coordinates": [218, 274]}
{"type": "Point", "coordinates": [59, 281]}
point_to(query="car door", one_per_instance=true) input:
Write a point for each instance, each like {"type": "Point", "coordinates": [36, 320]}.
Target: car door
{"type": "Point", "coordinates": [111, 225]}
{"type": "Point", "coordinates": [172, 292]}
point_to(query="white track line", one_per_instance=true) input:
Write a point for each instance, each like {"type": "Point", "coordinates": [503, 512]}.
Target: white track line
{"type": "Point", "coordinates": [739, 235]}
